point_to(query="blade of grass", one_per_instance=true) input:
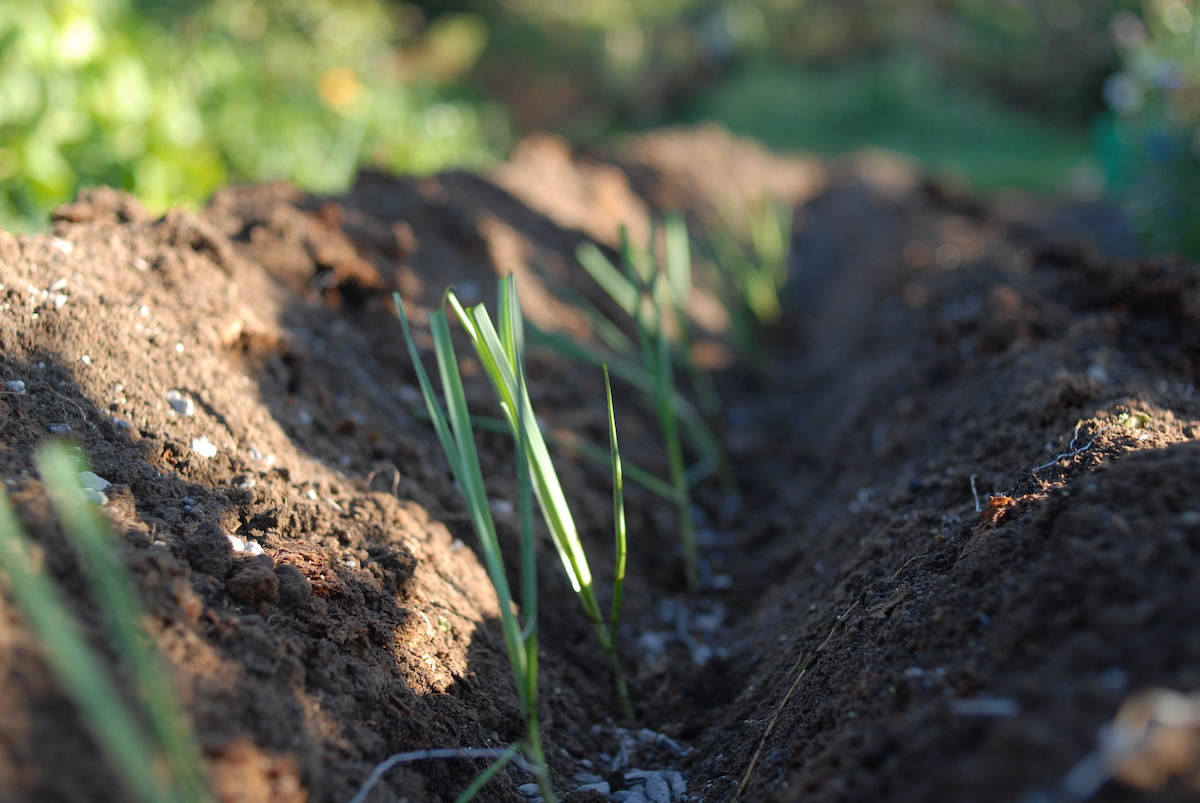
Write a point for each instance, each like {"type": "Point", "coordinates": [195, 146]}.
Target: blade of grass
{"type": "Point", "coordinates": [605, 274]}
{"type": "Point", "coordinates": [514, 402]}
{"type": "Point", "coordinates": [618, 507]}
{"type": "Point", "coordinates": [458, 439]}
{"type": "Point", "coordinates": [485, 776]}
{"type": "Point", "coordinates": [76, 665]}
{"type": "Point", "coordinates": [123, 611]}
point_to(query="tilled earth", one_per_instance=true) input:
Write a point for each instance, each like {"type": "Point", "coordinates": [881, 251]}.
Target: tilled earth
{"type": "Point", "coordinates": [969, 528]}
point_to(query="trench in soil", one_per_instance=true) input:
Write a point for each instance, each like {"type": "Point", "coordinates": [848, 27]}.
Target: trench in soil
{"type": "Point", "coordinates": [865, 632]}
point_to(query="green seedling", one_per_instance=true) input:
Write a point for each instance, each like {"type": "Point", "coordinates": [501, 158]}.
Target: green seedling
{"type": "Point", "coordinates": [151, 748]}
{"type": "Point", "coordinates": [502, 354]}
{"type": "Point", "coordinates": [751, 266]}
{"type": "Point", "coordinates": [656, 300]}
{"type": "Point", "coordinates": [454, 430]}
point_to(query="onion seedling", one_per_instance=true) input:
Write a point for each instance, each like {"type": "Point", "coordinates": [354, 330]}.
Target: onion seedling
{"type": "Point", "coordinates": [151, 748]}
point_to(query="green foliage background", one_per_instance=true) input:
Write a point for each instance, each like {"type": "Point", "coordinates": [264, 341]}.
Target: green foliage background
{"type": "Point", "coordinates": [171, 103]}
{"type": "Point", "coordinates": [171, 99]}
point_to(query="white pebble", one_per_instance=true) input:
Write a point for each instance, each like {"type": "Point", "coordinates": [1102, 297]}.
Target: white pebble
{"type": "Point", "coordinates": [86, 359]}
{"type": "Point", "coordinates": [202, 447]}
{"type": "Point", "coordinates": [657, 789]}
{"type": "Point", "coordinates": [141, 264]}
{"type": "Point", "coordinates": [236, 544]}
{"type": "Point", "coordinates": [179, 347]}
{"type": "Point", "coordinates": [95, 497]}
{"type": "Point", "coordinates": [92, 480]}
{"type": "Point", "coordinates": [58, 285]}
{"type": "Point", "coordinates": [602, 787]}
{"type": "Point", "coordinates": [59, 299]}
{"type": "Point", "coordinates": [14, 386]}
{"type": "Point", "coordinates": [66, 246]}
{"type": "Point", "coordinates": [181, 404]}
{"type": "Point", "coordinates": [253, 548]}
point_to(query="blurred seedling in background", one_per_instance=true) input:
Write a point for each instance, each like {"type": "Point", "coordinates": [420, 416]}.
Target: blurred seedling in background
{"type": "Point", "coordinates": [501, 351]}
{"type": "Point", "coordinates": [655, 297]}
{"type": "Point", "coordinates": [749, 262]}
{"type": "Point", "coordinates": [149, 742]}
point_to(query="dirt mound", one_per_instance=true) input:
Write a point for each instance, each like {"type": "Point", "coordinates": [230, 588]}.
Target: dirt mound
{"type": "Point", "coordinates": [969, 529]}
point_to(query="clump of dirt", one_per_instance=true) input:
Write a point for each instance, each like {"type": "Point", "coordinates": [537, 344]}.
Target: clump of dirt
{"type": "Point", "coordinates": [969, 525]}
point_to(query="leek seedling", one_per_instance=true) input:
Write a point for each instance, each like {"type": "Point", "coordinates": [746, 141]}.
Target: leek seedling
{"type": "Point", "coordinates": [751, 267]}
{"type": "Point", "coordinates": [500, 356]}
{"type": "Point", "coordinates": [458, 441]}
{"type": "Point", "coordinates": [160, 762]}
{"type": "Point", "coordinates": [649, 294]}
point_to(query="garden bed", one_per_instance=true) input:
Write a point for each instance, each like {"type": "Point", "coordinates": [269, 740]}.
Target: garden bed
{"type": "Point", "coordinates": [936, 351]}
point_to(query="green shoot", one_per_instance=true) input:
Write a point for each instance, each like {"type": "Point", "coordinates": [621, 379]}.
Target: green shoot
{"type": "Point", "coordinates": [458, 441]}
{"type": "Point", "coordinates": [497, 358]}
{"type": "Point", "coordinates": [618, 508]}
{"type": "Point", "coordinates": [752, 266]}
{"type": "Point", "coordinates": [651, 295]}
{"type": "Point", "coordinates": [163, 764]}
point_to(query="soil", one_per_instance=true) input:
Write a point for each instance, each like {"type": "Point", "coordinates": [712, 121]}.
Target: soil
{"type": "Point", "coordinates": [969, 525]}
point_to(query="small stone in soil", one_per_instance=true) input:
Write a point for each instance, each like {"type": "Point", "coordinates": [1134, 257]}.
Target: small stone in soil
{"type": "Point", "coordinates": [180, 404]}
{"type": "Point", "coordinates": [59, 429]}
{"type": "Point", "coordinates": [587, 777]}
{"type": "Point", "coordinates": [121, 423]}
{"type": "Point", "coordinates": [14, 386]}
{"type": "Point", "coordinates": [602, 787]}
{"type": "Point", "coordinates": [203, 447]}
{"type": "Point", "coordinates": [94, 481]}
{"type": "Point", "coordinates": [529, 789]}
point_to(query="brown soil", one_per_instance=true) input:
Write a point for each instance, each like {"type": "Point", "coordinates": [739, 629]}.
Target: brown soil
{"type": "Point", "coordinates": [890, 642]}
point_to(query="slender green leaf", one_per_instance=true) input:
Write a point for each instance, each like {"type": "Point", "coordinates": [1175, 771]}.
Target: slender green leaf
{"type": "Point", "coordinates": [76, 665]}
{"type": "Point", "coordinates": [487, 775]}
{"type": "Point", "coordinates": [123, 610]}
{"type": "Point", "coordinates": [618, 287]}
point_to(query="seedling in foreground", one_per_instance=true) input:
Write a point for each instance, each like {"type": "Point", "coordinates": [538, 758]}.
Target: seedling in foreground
{"type": "Point", "coordinates": [152, 749]}
{"type": "Point", "coordinates": [502, 354]}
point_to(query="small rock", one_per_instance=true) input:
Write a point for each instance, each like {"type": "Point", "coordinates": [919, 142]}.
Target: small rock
{"type": "Point", "coordinates": [203, 447]}
{"type": "Point", "coordinates": [59, 429]}
{"type": "Point", "coordinates": [66, 246]}
{"type": "Point", "coordinates": [657, 789]}
{"type": "Point", "coordinates": [529, 789]}
{"type": "Point", "coordinates": [14, 386]}
{"type": "Point", "coordinates": [121, 423]}
{"type": "Point", "coordinates": [181, 404]}
{"type": "Point", "coordinates": [254, 548]}
{"type": "Point", "coordinates": [602, 787]}
{"type": "Point", "coordinates": [236, 544]}
{"type": "Point", "coordinates": [677, 782]}
{"type": "Point", "coordinates": [587, 777]}
{"type": "Point", "coordinates": [633, 796]}
{"type": "Point", "coordinates": [94, 481]}
{"type": "Point", "coordinates": [95, 497]}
